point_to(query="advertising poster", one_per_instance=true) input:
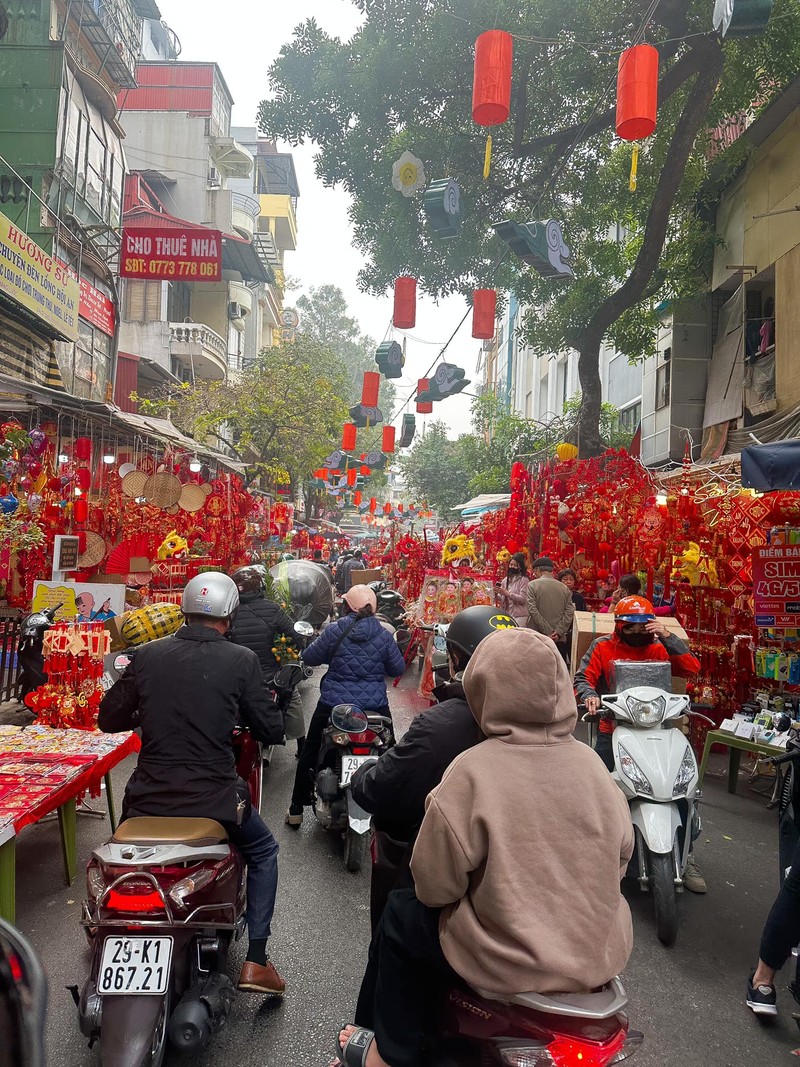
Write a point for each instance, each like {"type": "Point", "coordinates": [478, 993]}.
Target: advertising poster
{"type": "Point", "coordinates": [80, 601]}
{"type": "Point", "coordinates": [37, 281]}
{"type": "Point", "coordinates": [183, 252]}
{"type": "Point", "coordinates": [776, 586]}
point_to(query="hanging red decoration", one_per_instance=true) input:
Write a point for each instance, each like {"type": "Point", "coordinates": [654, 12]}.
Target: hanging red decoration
{"type": "Point", "coordinates": [373, 504]}
{"type": "Point", "coordinates": [387, 509]}
{"type": "Point", "coordinates": [427, 407]}
{"type": "Point", "coordinates": [491, 86]}
{"type": "Point", "coordinates": [366, 471]}
{"type": "Point", "coordinates": [405, 304]}
{"type": "Point", "coordinates": [352, 476]}
{"type": "Point", "coordinates": [357, 497]}
{"type": "Point", "coordinates": [83, 448]}
{"type": "Point", "coordinates": [484, 309]}
{"type": "Point", "coordinates": [369, 390]}
{"type": "Point", "coordinates": [80, 509]}
{"type": "Point", "coordinates": [83, 477]}
{"type": "Point", "coordinates": [387, 439]}
{"type": "Point", "coordinates": [348, 437]}
{"type": "Point", "coordinates": [637, 92]}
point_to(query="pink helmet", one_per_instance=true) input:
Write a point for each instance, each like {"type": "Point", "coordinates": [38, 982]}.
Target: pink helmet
{"type": "Point", "coordinates": [359, 596]}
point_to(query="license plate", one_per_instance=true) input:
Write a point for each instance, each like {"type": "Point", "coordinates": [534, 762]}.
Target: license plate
{"type": "Point", "coordinates": [350, 765]}
{"type": "Point", "coordinates": [135, 965]}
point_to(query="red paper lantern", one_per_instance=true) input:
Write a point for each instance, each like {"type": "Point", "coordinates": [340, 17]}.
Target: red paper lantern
{"type": "Point", "coordinates": [387, 509]}
{"type": "Point", "coordinates": [484, 308]}
{"type": "Point", "coordinates": [348, 437]}
{"type": "Point", "coordinates": [491, 86]}
{"type": "Point", "coordinates": [357, 497]}
{"type": "Point", "coordinates": [387, 439]}
{"type": "Point", "coordinates": [405, 303]}
{"type": "Point", "coordinates": [369, 390]}
{"type": "Point", "coordinates": [366, 471]}
{"type": "Point", "coordinates": [637, 92]}
{"type": "Point", "coordinates": [427, 407]}
{"type": "Point", "coordinates": [84, 477]}
{"type": "Point", "coordinates": [320, 473]}
{"type": "Point", "coordinates": [373, 504]}
{"type": "Point", "coordinates": [81, 541]}
{"type": "Point", "coordinates": [83, 448]}
{"type": "Point", "coordinates": [352, 475]}
{"type": "Point", "coordinates": [80, 509]}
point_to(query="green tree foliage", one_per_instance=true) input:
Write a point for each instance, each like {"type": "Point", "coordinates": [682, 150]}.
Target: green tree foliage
{"type": "Point", "coordinates": [284, 413]}
{"type": "Point", "coordinates": [404, 82]}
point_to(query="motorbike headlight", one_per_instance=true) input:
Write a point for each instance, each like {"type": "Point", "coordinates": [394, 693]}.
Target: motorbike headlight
{"type": "Point", "coordinates": [686, 771]}
{"type": "Point", "coordinates": [630, 769]}
{"type": "Point", "coordinates": [647, 712]}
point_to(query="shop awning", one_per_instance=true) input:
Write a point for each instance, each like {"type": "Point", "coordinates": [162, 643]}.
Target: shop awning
{"type": "Point", "coordinates": [165, 431]}
{"type": "Point", "coordinates": [771, 467]}
{"type": "Point", "coordinates": [478, 505]}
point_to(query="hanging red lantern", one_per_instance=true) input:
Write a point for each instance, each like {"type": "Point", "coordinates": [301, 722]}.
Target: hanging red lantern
{"type": "Point", "coordinates": [484, 309]}
{"type": "Point", "coordinates": [387, 509]}
{"type": "Point", "coordinates": [81, 541]}
{"type": "Point", "coordinates": [427, 407]}
{"type": "Point", "coordinates": [366, 471]}
{"type": "Point", "coordinates": [369, 390]}
{"type": "Point", "coordinates": [373, 504]}
{"type": "Point", "coordinates": [405, 303]}
{"type": "Point", "coordinates": [348, 437]}
{"type": "Point", "coordinates": [491, 86]}
{"type": "Point", "coordinates": [357, 497]}
{"type": "Point", "coordinates": [637, 92]}
{"type": "Point", "coordinates": [83, 448]}
{"type": "Point", "coordinates": [80, 509]}
{"type": "Point", "coordinates": [320, 473]}
{"type": "Point", "coordinates": [352, 476]}
{"type": "Point", "coordinates": [387, 439]}
{"type": "Point", "coordinates": [83, 477]}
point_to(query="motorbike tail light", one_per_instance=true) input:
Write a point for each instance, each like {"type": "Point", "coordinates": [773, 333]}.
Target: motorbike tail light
{"type": "Point", "coordinates": [360, 751]}
{"type": "Point", "coordinates": [568, 1051]}
{"type": "Point", "coordinates": [139, 900]}
{"type": "Point", "coordinates": [186, 886]}
{"type": "Point", "coordinates": [366, 738]}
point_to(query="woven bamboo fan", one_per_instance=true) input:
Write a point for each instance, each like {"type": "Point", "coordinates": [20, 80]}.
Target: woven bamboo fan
{"type": "Point", "coordinates": [207, 489]}
{"type": "Point", "coordinates": [134, 483]}
{"type": "Point", "coordinates": [163, 490]}
{"type": "Point", "coordinates": [96, 549]}
{"type": "Point", "coordinates": [192, 498]}
{"type": "Point", "coordinates": [173, 510]}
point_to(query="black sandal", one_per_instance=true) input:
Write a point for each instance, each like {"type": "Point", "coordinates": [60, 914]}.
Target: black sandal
{"type": "Point", "coordinates": [354, 1053]}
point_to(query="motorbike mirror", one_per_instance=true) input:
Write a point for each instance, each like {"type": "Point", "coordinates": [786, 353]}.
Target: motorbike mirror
{"type": "Point", "coordinates": [349, 719]}
{"type": "Point", "coordinates": [23, 1000]}
{"type": "Point", "coordinates": [304, 629]}
{"type": "Point", "coordinates": [122, 661]}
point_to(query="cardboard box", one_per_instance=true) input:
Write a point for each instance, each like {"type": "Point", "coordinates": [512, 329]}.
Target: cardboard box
{"type": "Point", "coordinates": [365, 577]}
{"type": "Point", "coordinates": [589, 625]}
{"type": "Point", "coordinates": [114, 628]}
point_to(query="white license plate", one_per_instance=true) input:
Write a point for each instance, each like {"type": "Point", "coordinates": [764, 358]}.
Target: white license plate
{"type": "Point", "coordinates": [135, 965]}
{"type": "Point", "coordinates": [350, 765]}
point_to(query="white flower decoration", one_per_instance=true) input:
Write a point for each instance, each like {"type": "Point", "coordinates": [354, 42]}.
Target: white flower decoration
{"type": "Point", "coordinates": [408, 174]}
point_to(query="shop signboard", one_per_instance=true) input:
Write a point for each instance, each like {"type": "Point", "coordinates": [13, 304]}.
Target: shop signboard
{"type": "Point", "coordinates": [193, 254]}
{"type": "Point", "coordinates": [37, 281]}
{"type": "Point", "coordinates": [776, 586]}
{"type": "Point", "coordinates": [95, 306]}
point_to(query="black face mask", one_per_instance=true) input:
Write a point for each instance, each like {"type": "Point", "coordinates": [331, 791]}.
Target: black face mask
{"type": "Point", "coordinates": [637, 640]}
{"type": "Point", "coordinates": [513, 571]}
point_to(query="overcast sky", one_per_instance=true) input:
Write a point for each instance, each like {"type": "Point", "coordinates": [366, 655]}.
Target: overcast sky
{"type": "Point", "coordinates": [243, 37]}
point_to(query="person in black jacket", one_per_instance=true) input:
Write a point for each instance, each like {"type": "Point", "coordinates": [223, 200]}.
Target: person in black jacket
{"type": "Point", "coordinates": [258, 621]}
{"type": "Point", "coordinates": [187, 693]}
{"type": "Point", "coordinates": [393, 789]}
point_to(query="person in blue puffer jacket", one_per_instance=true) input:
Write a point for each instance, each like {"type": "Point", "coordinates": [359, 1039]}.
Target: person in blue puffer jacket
{"type": "Point", "coordinates": [360, 653]}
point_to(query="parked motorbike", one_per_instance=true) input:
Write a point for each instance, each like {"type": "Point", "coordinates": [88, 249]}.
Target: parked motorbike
{"type": "Point", "coordinates": [30, 656]}
{"type": "Point", "coordinates": [480, 1029]}
{"type": "Point", "coordinates": [165, 899]}
{"type": "Point", "coordinates": [655, 768]}
{"type": "Point", "coordinates": [352, 737]}
{"type": "Point", "coordinates": [23, 1001]}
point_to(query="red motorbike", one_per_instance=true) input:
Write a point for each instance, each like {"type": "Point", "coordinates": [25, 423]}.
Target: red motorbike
{"type": "Point", "coordinates": [166, 897]}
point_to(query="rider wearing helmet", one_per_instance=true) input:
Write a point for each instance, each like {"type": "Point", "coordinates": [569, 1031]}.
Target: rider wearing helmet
{"type": "Point", "coordinates": [187, 693]}
{"type": "Point", "coordinates": [394, 788]}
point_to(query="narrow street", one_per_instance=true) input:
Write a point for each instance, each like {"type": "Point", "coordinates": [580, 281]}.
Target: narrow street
{"type": "Point", "coordinates": [688, 1000]}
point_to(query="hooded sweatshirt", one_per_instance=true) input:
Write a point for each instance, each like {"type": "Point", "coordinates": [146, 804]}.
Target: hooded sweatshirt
{"type": "Point", "coordinates": [525, 841]}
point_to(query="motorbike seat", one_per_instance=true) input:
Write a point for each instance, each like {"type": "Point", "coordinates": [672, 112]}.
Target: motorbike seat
{"type": "Point", "coordinates": [160, 831]}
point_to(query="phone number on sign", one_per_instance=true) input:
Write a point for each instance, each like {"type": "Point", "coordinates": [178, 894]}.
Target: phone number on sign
{"type": "Point", "coordinates": [159, 268]}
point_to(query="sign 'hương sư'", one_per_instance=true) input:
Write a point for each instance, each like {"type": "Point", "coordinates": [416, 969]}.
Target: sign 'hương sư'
{"type": "Point", "coordinates": [37, 281]}
{"type": "Point", "coordinates": [180, 253]}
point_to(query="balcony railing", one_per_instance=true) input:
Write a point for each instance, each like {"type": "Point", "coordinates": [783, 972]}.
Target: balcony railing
{"type": "Point", "coordinates": [244, 214]}
{"type": "Point", "coordinates": [198, 347]}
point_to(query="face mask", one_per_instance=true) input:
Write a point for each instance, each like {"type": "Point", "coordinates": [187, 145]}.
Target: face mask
{"type": "Point", "coordinates": [513, 570]}
{"type": "Point", "coordinates": [637, 640]}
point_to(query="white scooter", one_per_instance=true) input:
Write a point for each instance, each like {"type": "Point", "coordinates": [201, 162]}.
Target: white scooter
{"type": "Point", "coordinates": [655, 768]}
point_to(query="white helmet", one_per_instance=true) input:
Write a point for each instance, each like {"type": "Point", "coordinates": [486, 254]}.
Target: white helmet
{"type": "Point", "coordinates": [213, 594]}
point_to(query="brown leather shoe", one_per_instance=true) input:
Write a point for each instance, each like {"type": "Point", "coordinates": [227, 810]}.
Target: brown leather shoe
{"type": "Point", "coordinates": [257, 979]}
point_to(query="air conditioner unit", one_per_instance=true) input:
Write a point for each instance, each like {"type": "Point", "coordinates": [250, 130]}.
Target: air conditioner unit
{"type": "Point", "coordinates": [236, 311]}
{"type": "Point", "coordinates": [214, 180]}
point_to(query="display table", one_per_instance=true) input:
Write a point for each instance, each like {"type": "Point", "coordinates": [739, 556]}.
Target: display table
{"type": "Point", "coordinates": [736, 746]}
{"type": "Point", "coordinates": [42, 771]}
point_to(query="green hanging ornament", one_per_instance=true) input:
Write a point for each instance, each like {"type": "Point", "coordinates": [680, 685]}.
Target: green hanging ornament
{"type": "Point", "coordinates": [442, 205]}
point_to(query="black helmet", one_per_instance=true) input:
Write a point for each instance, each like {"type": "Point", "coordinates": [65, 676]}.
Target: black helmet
{"type": "Point", "coordinates": [471, 625]}
{"type": "Point", "coordinates": [249, 579]}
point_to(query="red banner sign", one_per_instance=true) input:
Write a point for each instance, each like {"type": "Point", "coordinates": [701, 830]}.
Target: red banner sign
{"type": "Point", "coordinates": [95, 306]}
{"type": "Point", "coordinates": [188, 253]}
{"type": "Point", "coordinates": [776, 586]}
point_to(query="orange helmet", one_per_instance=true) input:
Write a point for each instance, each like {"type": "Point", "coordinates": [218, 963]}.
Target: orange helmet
{"type": "Point", "coordinates": [634, 609]}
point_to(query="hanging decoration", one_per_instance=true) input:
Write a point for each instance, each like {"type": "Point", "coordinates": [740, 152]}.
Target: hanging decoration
{"type": "Point", "coordinates": [348, 437]}
{"type": "Point", "coordinates": [566, 452]}
{"type": "Point", "coordinates": [491, 86]}
{"type": "Point", "coordinates": [352, 477]}
{"type": "Point", "coordinates": [424, 407]}
{"type": "Point", "coordinates": [634, 178]}
{"type": "Point", "coordinates": [405, 304]}
{"type": "Point", "coordinates": [447, 381]}
{"type": "Point", "coordinates": [740, 18]}
{"type": "Point", "coordinates": [637, 92]}
{"type": "Point", "coordinates": [484, 310]}
{"type": "Point", "coordinates": [389, 357]}
{"type": "Point", "coordinates": [443, 209]}
{"type": "Point", "coordinates": [357, 497]}
{"type": "Point", "coordinates": [363, 415]}
{"type": "Point", "coordinates": [387, 439]}
{"type": "Point", "coordinates": [408, 174]}
{"type": "Point", "coordinates": [376, 461]}
{"type": "Point", "coordinates": [540, 244]}
{"type": "Point", "coordinates": [334, 460]}
{"type": "Point", "coordinates": [407, 431]}
{"type": "Point", "coordinates": [370, 388]}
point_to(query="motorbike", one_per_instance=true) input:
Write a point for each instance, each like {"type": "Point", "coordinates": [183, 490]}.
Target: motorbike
{"type": "Point", "coordinates": [165, 900]}
{"type": "Point", "coordinates": [350, 739]}
{"type": "Point", "coordinates": [480, 1029]}
{"type": "Point", "coordinates": [23, 1000]}
{"type": "Point", "coordinates": [392, 612]}
{"type": "Point", "coordinates": [656, 769]}
{"type": "Point", "coordinates": [30, 656]}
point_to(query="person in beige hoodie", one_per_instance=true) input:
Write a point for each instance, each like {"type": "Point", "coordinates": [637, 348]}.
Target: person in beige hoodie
{"type": "Point", "coordinates": [518, 862]}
